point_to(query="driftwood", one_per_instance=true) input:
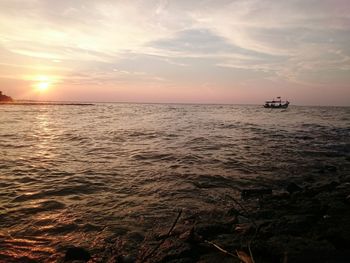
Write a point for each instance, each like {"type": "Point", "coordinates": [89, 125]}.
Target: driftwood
{"type": "Point", "coordinates": [220, 249]}
{"type": "Point", "coordinates": [252, 221]}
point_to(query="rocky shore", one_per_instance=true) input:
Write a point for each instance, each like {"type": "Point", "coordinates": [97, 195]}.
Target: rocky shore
{"type": "Point", "coordinates": [301, 221]}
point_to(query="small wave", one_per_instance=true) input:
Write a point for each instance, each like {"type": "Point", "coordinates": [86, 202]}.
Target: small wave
{"type": "Point", "coordinates": [313, 126]}
{"type": "Point", "coordinates": [27, 179]}
{"type": "Point", "coordinates": [229, 126]}
{"type": "Point", "coordinates": [304, 137]}
{"type": "Point", "coordinates": [41, 207]}
{"type": "Point", "coordinates": [91, 228]}
{"type": "Point", "coordinates": [66, 191]}
{"type": "Point", "coordinates": [149, 156]}
{"type": "Point", "coordinates": [62, 229]}
{"type": "Point", "coordinates": [213, 181]}
{"type": "Point", "coordinates": [14, 145]}
{"type": "Point", "coordinates": [190, 159]}
{"type": "Point", "coordinates": [146, 135]}
{"type": "Point", "coordinates": [72, 137]}
{"type": "Point", "coordinates": [14, 249]}
{"type": "Point", "coordinates": [69, 173]}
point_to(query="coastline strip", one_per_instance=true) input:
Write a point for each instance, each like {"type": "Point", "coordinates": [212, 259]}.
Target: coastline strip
{"type": "Point", "coordinates": [47, 103]}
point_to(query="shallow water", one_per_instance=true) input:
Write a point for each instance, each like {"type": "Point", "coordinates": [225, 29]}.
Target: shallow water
{"type": "Point", "coordinates": [85, 175]}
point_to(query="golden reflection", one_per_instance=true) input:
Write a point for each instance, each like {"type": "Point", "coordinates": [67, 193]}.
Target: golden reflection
{"type": "Point", "coordinates": [21, 247]}
{"type": "Point", "coordinates": [44, 134]}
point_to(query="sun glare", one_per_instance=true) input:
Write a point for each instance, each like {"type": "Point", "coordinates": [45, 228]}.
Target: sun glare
{"type": "Point", "coordinates": [43, 83]}
{"type": "Point", "coordinates": [43, 86]}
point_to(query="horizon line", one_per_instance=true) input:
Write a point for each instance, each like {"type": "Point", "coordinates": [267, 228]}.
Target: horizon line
{"type": "Point", "coordinates": [175, 103]}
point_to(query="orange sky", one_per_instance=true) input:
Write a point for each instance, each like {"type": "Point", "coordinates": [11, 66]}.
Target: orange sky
{"type": "Point", "coordinates": [176, 51]}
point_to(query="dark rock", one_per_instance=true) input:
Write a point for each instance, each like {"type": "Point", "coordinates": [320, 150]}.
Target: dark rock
{"type": "Point", "coordinates": [336, 239]}
{"type": "Point", "coordinates": [21, 259]}
{"type": "Point", "coordinates": [217, 257]}
{"type": "Point", "coordinates": [209, 230]}
{"type": "Point", "coordinates": [307, 206]}
{"type": "Point", "coordinates": [285, 248]}
{"type": "Point", "coordinates": [347, 199]}
{"type": "Point", "coordinates": [282, 195]}
{"type": "Point", "coordinates": [337, 208]}
{"type": "Point", "coordinates": [322, 188]}
{"type": "Point", "coordinates": [77, 253]}
{"type": "Point", "coordinates": [188, 236]}
{"type": "Point", "coordinates": [295, 224]}
{"type": "Point", "coordinates": [173, 249]}
{"type": "Point", "coordinates": [243, 220]}
{"type": "Point", "coordinates": [233, 212]}
{"type": "Point", "coordinates": [228, 241]}
{"type": "Point", "coordinates": [181, 260]}
{"type": "Point", "coordinates": [244, 229]}
{"type": "Point", "coordinates": [126, 259]}
{"type": "Point", "coordinates": [266, 214]}
{"type": "Point", "coordinates": [255, 192]}
{"type": "Point", "coordinates": [293, 187]}
{"type": "Point", "coordinates": [136, 236]}
{"type": "Point", "coordinates": [300, 224]}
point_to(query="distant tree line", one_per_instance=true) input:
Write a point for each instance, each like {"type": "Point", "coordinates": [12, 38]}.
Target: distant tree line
{"type": "Point", "coordinates": [4, 98]}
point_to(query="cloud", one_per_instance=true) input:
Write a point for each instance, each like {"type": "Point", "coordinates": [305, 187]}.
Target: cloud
{"type": "Point", "coordinates": [194, 40]}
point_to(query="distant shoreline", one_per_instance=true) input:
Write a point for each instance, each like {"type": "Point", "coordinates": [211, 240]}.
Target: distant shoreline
{"type": "Point", "coordinates": [63, 103]}
{"type": "Point", "coordinates": [47, 103]}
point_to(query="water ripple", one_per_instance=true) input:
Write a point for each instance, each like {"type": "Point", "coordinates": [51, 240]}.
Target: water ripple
{"type": "Point", "coordinates": [86, 175]}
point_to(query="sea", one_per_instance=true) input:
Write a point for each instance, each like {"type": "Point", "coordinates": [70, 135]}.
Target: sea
{"type": "Point", "coordinates": [90, 175]}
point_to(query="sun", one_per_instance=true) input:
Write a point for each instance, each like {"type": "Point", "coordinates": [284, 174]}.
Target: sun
{"type": "Point", "coordinates": [42, 86]}
{"type": "Point", "coordinates": [43, 83]}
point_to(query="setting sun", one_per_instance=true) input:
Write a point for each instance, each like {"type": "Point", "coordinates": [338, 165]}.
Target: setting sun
{"type": "Point", "coordinates": [42, 86]}
{"type": "Point", "coordinates": [43, 83]}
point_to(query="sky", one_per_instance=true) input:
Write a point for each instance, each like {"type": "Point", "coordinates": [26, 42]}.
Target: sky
{"type": "Point", "coordinates": [179, 51]}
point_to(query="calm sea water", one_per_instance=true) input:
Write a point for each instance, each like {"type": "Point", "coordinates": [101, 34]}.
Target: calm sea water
{"type": "Point", "coordinates": [85, 175]}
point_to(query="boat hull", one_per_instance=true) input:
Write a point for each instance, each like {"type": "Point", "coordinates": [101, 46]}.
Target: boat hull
{"type": "Point", "coordinates": [284, 106]}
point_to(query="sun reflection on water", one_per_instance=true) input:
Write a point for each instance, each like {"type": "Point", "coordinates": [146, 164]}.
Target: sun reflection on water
{"type": "Point", "coordinates": [44, 135]}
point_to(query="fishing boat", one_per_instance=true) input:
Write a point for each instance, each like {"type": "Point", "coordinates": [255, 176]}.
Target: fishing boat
{"type": "Point", "coordinates": [276, 104]}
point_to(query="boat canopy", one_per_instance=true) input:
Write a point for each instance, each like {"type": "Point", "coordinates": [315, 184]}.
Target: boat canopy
{"type": "Point", "coordinates": [275, 101]}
